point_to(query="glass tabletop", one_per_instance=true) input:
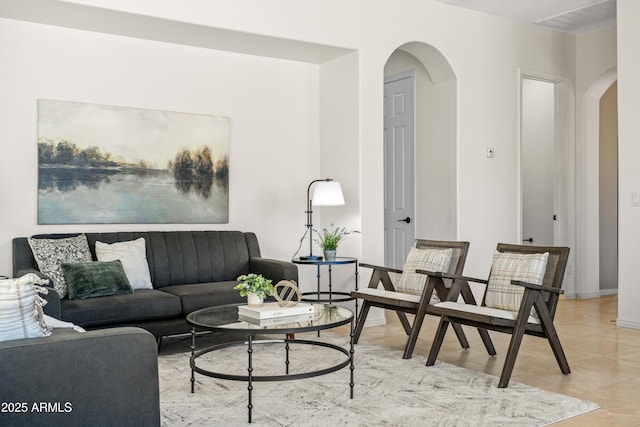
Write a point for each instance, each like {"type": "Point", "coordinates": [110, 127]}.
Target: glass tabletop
{"type": "Point", "coordinates": [226, 317]}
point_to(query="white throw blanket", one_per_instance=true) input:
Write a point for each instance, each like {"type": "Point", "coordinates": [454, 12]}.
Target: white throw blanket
{"type": "Point", "coordinates": [54, 323]}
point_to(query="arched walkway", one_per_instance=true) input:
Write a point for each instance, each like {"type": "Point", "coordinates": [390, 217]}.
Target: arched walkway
{"type": "Point", "coordinates": [435, 90]}
{"type": "Point", "coordinates": [587, 155]}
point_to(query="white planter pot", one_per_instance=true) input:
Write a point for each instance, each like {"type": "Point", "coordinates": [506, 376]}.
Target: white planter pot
{"type": "Point", "coordinates": [330, 255]}
{"type": "Point", "coordinates": [254, 300]}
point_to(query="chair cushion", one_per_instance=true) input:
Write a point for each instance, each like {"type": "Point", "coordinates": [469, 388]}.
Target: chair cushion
{"type": "Point", "coordinates": [429, 259]}
{"type": "Point", "coordinates": [482, 310]}
{"type": "Point", "coordinates": [507, 266]}
{"type": "Point", "coordinates": [383, 293]}
{"type": "Point", "coordinates": [133, 255]}
{"type": "Point", "coordinates": [51, 253]}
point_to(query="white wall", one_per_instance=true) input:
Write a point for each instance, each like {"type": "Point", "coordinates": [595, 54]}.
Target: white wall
{"type": "Point", "coordinates": [273, 106]}
{"type": "Point", "coordinates": [628, 155]}
{"type": "Point", "coordinates": [596, 70]}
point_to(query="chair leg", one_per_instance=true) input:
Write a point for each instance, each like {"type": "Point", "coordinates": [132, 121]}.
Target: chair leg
{"type": "Point", "coordinates": [486, 340]}
{"type": "Point", "coordinates": [554, 341]}
{"type": "Point", "coordinates": [516, 338]}
{"type": "Point", "coordinates": [460, 334]}
{"type": "Point", "coordinates": [361, 319]}
{"type": "Point", "coordinates": [413, 336]}
{"type": "Point", "coordinates": [405, 322]}
{"type": "Point", "coordinates": [510, 360]}
{"type": "Point", "coordinates": [437, 342]}
{"type": "Point", "coordinates": [552, 335]}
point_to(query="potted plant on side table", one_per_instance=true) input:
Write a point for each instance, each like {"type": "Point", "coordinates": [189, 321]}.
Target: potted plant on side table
{"type": "Point", "coordinates": [255, 287]}
{"type": "Point", "coordinates": [330, 238]}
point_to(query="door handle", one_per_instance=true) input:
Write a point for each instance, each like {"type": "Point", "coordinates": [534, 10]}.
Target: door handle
{"type": "Point", "coordinates": [407, 220]}
{"type": "Point", "coordinates": [530, 240]}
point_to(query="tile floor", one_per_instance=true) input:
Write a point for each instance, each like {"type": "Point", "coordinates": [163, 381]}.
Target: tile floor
{"type": "Point", "coordinates": [604, 358]}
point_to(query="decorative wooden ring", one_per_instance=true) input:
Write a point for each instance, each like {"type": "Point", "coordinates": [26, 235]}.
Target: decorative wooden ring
{"type": "Point", "coordinates": [285, 291]}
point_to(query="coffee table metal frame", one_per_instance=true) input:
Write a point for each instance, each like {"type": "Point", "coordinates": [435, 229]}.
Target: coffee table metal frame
{"type": "Point", "coordinates": [288, 330]}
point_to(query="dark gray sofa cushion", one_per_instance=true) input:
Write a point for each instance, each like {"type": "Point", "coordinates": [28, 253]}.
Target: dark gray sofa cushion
{"type": "Point", "coordinates": [201, 295]}
{"type": "Point", "coordinates": [144, 304]}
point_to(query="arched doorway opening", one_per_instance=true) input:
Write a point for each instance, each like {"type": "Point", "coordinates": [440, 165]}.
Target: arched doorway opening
{"type": "Point", "coordinates": [428, 194]}
{"type": "Point", "coordinates": [588, 156]}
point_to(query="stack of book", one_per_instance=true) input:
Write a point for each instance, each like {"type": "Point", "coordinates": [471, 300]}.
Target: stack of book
{"type": "Point", "coordinates": [270, 314]}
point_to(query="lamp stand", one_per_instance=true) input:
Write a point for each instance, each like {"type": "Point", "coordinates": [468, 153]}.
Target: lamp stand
{"type": "Point", "coordinates": [309, 225]}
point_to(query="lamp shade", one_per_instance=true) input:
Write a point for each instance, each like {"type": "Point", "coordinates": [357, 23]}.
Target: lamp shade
{"type": "Point", "coordinates": [327, 193]}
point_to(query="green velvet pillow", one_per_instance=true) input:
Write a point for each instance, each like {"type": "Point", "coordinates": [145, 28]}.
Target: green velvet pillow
{"type": "Point", "coordinates": [95, 279]}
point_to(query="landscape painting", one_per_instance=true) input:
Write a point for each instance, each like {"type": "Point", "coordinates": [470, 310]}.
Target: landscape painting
{"type": "Point", "coordinates": [101, 164]}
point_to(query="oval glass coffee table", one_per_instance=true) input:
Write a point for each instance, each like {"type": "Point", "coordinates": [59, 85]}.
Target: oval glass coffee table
{"type": "Point", "coordinates": [225, 319]}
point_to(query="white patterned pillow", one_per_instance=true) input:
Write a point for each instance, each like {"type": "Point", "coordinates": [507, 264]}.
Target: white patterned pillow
{"type": "Point", "coordinates": [429, 259]}
{"type": "Point", "coordinates": [133, 256]}
{"type": "Point", "coordinates": [506, 267]}
{"type": "Point", "coordinates": [21, 314]}
{"type": "Point", "coordinates": [51, 253]}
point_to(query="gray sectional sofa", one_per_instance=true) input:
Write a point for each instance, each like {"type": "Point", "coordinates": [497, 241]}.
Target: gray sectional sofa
{"type": "Point", "coordinates": [189, 270]}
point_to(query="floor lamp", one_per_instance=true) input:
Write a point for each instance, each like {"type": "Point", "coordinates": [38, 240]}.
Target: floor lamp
{"type": "Point", "coordinates": [326, 192]}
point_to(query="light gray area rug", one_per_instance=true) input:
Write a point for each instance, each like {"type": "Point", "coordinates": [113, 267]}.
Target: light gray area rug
{"type": "Point", "coordinates": [389, 391]}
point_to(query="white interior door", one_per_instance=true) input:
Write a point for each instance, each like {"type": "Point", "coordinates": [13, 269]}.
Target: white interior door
{"type": "Point", "coordinates": [538, 162]}
{"type": "Point", "coordinates": [399, 174]}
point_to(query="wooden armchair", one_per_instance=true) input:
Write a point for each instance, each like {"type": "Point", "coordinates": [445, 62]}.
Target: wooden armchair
{"type": "Point", "coordinates": [415, 291]}
{"type": "Point", "coordinates": [521, 297]}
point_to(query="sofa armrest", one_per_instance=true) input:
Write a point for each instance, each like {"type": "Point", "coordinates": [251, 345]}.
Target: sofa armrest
{"type": "Point", "coordinates": [53, 307]}
{"type": "Point", "coordinates": [274, 269]}
{"type": "Point", "coordinates": [104, 377]}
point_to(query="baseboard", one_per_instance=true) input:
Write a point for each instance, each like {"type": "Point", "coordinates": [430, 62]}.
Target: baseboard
{"type": "Point", "coordinates": [628, 324]}
{"type": "Point", "coordinates": [376, 317]}
{"type": "Point", "coordinates": [586, 295]}
{"type": "Point", "coordinates": [590, 295]}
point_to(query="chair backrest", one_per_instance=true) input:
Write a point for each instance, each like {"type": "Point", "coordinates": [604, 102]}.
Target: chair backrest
{"type": "Point", "coordinates": [554, 273]}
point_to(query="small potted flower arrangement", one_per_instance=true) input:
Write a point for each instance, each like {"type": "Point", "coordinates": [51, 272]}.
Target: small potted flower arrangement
{"type": "Point", "coordinates": [255, 287]}
{"type": "Point", "coordinates": [329, 239]}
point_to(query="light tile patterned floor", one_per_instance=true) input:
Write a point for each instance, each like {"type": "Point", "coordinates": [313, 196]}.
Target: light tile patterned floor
{"type": "Point", "coordinates": [604, 358]}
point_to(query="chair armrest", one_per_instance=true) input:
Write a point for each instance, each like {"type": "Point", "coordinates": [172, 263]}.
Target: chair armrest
{"type": "Point", "coordinates": [274, 269]}
{"type": "Point", "coordinates": [452, 276]}
{"type": "Point", "coordinates": [535, 287]}
{"type": "Point", "coordinates": [382, 268]}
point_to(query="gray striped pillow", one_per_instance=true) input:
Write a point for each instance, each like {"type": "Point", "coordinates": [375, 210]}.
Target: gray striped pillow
{"type": "Point", "coordinates": [429, 259]}
{"type": "Point", "coordinates": [21, 314]}
{"type": "Point", "coordinates": [508, 266]}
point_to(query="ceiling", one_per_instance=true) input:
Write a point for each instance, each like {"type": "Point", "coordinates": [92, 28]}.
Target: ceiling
{"type": "Point", "coordinates": [569, 16]}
